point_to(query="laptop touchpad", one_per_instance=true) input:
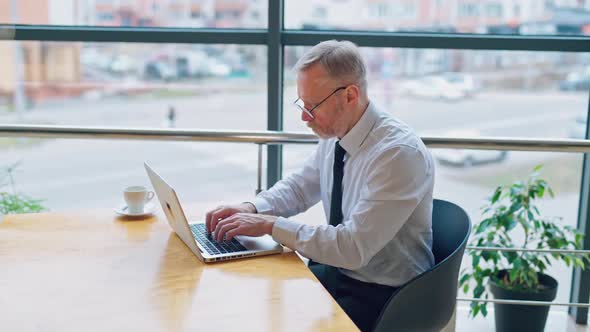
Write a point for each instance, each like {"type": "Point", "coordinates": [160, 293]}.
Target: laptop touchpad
{"type": "Point", "coordinates": [257, 243]}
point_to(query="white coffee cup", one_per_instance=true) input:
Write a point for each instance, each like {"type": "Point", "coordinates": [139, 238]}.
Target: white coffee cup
{"type": "Point", "coordinates": [136, 197]}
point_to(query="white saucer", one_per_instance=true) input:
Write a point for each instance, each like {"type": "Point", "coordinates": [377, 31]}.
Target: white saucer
{"type": "Point", "coordinates": [148, 210]}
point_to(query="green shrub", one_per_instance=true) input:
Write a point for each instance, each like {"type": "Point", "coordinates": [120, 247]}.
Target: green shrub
{"type": "Point", "coordinates": [511, 208]}
{"type": "Point", "coordinates": [13, 202]}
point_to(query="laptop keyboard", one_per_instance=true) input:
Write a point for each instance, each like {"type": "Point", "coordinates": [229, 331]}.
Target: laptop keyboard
{"type": "Point", "coordinates": [213, 247]}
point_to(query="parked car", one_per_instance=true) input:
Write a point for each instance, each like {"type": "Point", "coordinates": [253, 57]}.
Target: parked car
{"type": "Point", "coordinates": [91, 58]}
{"type": "Point", "coordinates": [576, 81]}
{"type": "Point", "coordinates": [192, 64]}
{"type": "Point", "coordinates": [432, 87]}
{"type": "Point", "coordinates": [218, 68]}
{"type": "Point", "coordinates": [123, 64]}
{"type": "Point", "coordinates": [465, 157]}
{"type": "Point", "coordinates": [159, 70]}
{"type": "Point", "coordinates": [578, 128]}
{"type": "Point", "coordinates": [465, 82]}
{"type": "Point", "coordinates": [199, 64]}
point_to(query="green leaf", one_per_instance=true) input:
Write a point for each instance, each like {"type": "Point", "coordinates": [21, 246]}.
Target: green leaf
{"type": "Point", "coordinates": [513, 273]}
{"type": "Point", "coordinates": [510, 223]}
{"type": "Point", "coordinates": [478, 290]}
{"type": "Point", "coordinates": [465, 277]}
{"type": "Point", "coordinates": [538, 168]}
{"type": "Point", "coordinates": [484, 310]}
{"type": "Point", "coordinates": [541, 191]}
{"type": "Point", "coordinates": [510, 256]}
{"type": "Point", "coordinates": [496, 195]}
{"type": "Point", "coordinates": [578, 239]}
{"type": "Point", "coordinates": [475, 310]}
{"type": "Point", "coordinates": [578, 261]}
{"type": "Point", "coordinates": [483, 225]}
{"type": "Point", "coordinates": [530, 215]}
{"type": "Point", "coordinates": [475, 261]}
{"type": "Point", "coordinates": [566, 259]}
{"type": "Point", "coordinates": [466, 288]}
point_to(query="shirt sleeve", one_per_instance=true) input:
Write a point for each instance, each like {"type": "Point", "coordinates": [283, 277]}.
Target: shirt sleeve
{"type": "Point", "coordinates": [397, 182]}
{"type": "Point", "coordinates": [294, 194]}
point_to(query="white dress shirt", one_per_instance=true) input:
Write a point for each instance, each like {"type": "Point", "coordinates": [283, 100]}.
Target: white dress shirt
{"type": "Point", "coordinates": [386, 233]}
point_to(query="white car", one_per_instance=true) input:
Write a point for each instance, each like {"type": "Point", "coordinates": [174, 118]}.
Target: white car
{"type": "Point", "coordinates": [432, 87]}
{"type": "Point", "coordinates": [218, 68]}
{"type": "Point", "coordinates": [467, 157]}
{"type": "Point", "coordinates": [123, 64]}
{"type": "Point", "coordinates": [464, 82]}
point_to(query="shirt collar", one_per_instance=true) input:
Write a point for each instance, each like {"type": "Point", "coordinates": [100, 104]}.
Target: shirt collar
{"type": "Point", "coordinates": [352, 141]}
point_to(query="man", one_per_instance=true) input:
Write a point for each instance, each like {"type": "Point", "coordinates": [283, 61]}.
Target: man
{"type": "Point", "coordinates": [374, 177]}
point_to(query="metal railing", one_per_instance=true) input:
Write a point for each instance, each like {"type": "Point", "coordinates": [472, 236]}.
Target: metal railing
{"type": "Point", "coordinates": [550, 251]}
{"type": "Point", "coordinates": [277, 138]}
{"type": "Point", "coordinates": [523, 302]}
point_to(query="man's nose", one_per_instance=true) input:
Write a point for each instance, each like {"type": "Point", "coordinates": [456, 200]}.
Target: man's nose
{"type": "Point", "coordinates": [305, 116]}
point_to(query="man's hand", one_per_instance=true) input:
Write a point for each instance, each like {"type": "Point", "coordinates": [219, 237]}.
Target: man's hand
{"type": "Point", "coordinates": [224, 211]}
{"type": "Point", "coordinates": [249, 224]}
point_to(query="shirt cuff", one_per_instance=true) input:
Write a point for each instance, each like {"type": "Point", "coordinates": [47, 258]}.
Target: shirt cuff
{"type": "Point", "coordinates": [262, 206]}
{"type": "Point", "coordinates": [284, 232]}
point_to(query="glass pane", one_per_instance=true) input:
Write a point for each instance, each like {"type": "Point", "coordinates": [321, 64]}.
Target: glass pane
{"type": "Point", "coordinates": [138, 13]}
{"type": "Point", "coordinates": [212, 87]}
{"type": "Point", "coordinates": [458, 93]}
{"type": "Point", "coordinates": [461, 16]}
{"type": "Point", "coordinates": [471, 93]}
{"type": "Point", "coordinates": [88, 174]}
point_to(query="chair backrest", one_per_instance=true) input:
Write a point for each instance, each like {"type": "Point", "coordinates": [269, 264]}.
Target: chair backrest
{"type": "Point", "coordinates": [427, 302]}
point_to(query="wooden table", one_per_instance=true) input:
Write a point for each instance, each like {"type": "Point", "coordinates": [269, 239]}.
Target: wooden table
{"type": "Point", "coordinates": [93, 271]}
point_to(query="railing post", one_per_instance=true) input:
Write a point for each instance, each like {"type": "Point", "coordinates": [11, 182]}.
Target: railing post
{"type": "Point", "coordinates": [275, 89]}
{"type": "Point", "coordinates": [259, 174]}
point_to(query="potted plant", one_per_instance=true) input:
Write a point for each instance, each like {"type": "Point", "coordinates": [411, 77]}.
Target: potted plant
{"type": "Point", "coordinates": [509, 213]}
{"type": "Point", "coordinates": [14, 202]}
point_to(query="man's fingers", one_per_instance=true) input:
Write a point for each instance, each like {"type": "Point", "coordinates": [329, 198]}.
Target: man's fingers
{"type": "Point", "coordinates": [218, 215]}
{"type": "Point", "coordinates": [209, 218]}
{"type": "Point", "coordinates": [226, 226]}
{"type": "Point", "coordinates": [233, 232]}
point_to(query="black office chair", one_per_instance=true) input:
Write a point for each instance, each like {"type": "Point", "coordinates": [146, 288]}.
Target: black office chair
{"type": "Point", "coordinates": [427, 302]}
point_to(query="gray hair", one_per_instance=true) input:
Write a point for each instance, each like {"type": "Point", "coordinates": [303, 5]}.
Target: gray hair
{"type": "Point", "coordinates": [340, 59]}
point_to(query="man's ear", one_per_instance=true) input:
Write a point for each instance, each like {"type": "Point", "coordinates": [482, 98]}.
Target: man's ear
{"type": "Point", "coordinates": [353, 94]}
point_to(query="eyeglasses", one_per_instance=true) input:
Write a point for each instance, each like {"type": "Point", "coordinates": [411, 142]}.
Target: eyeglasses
{"type": "Point", "coordinates": [300, 105]}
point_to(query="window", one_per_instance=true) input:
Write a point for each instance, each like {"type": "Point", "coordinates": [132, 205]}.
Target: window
{"type": "Point", "coordinates": [319, 12]}
{"type": "Point", "coordinates": [468, 10]}
{"type": "Point", "coordinates": [469, 16]}
{"type": "Point", "coordinates": [215, 87]}
{"type": "Point", "coordinates": [240, 13]}
{"type": "Point", "coordinates": [494, 10]}
{"type": "Point", "coordinates": [105, 17]}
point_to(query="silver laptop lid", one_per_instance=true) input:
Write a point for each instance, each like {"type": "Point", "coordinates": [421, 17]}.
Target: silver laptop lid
{"type": "Point", "coordinates": [173, 210]}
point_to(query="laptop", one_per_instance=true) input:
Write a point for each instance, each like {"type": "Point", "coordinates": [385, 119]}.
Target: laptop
{"type": "Point", "coordinates": [195, 236]}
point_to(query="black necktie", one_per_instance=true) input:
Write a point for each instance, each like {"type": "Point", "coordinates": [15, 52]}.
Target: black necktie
{"type": "Point", "coordinates": [338, 172]}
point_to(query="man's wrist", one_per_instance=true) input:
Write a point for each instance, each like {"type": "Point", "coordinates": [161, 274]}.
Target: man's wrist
{"type": "Point", "coordinates": [250, 206]}
{"type": "Point", "coordinates": [269, 227]}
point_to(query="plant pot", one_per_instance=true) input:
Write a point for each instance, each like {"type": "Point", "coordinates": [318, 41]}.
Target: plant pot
{"type": "Point", "coordinates": [517, 317]}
